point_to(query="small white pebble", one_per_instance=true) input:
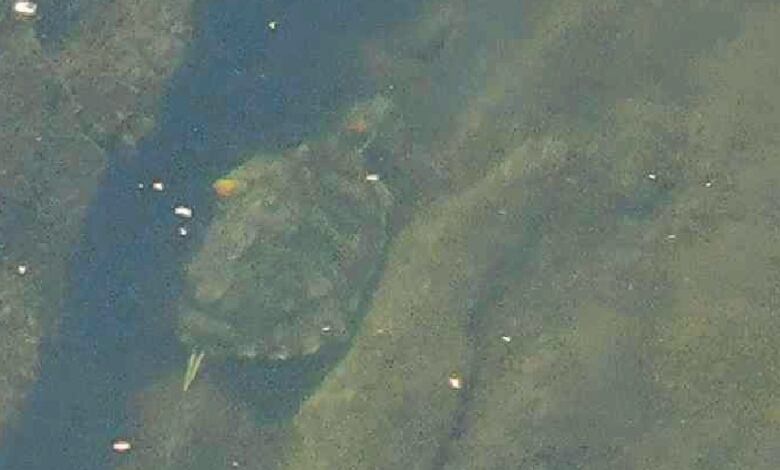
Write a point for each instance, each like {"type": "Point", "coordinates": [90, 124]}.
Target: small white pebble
{"type": "Point", "coordinates": [183, 232]}
{"type": "Point", "coordinates": [21, 269]}
{"type": "Point", "coordinates": [272, 25]}
{"type": "Point", "coordinates": [183, 212]}
{"type": "Point", "coordinates": [506, 338]}
{"type": "Point", "coordinates": [708, 184]}
{"type": "Point", "coordinates": [158, 185]}
{"type": "Point", "coordinates": [372, 177]}
{"type": "Point", "coordinates": [25, 9]}
{"type": "Point", "coordinates": [121, 446]}
{"type": "Point", "coordinates": [652, 176]}
{"type": "Point", "coordinates": [671, 237]}
{"type": "Point", "coordinates": [455, 381]}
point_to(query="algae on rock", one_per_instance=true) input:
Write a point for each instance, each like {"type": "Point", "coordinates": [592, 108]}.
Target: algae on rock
{"type": "Point", "coordinates": [642, 311]}
{"type": "Point", "coordinates": [52, 154]}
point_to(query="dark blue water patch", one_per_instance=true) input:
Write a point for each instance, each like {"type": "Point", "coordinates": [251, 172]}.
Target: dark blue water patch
{"type": "Point", "coordinates": [245, 85]}
{"type": "Point", "coordinates": [273, 390]}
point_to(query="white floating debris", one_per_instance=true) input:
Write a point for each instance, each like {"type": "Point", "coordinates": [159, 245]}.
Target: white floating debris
{"type": "Point", "coordinates": [281, 355]}
{"type": "Point", "coordinates": [455, 381]}
{"type": "Point", "coordinates": [25, 9]}
{"type": "Point", "coordinates": [182, 231]}
{"type": "Point", "coordinates": [140, 186]}
{"type": "Point", "coordinates": [183, 212]}
{"type": "Point", "coordinates": [506, 338]}
{"type": "Point", "coordinates": [121, 446]}
{"type": "Point", "coordinates": [272, 25]}
{"type": "Point", "coordinates": [671, 236]}
{"type": "Point", "coordinates": [326, 329]}
{"type": "Point", "coordinates": [372, 177]}
{"type": "Point", "coordinates": [158, 185]}
{"type": "Point", "coordinates": [652, 176]}
{"type": "Point", "coordinates": [708, 184]}
{"type": "Point", "coordinates": [21, 269]}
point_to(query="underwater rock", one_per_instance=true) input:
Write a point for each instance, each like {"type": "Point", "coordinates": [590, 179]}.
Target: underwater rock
{"type": "Point", "coordinates": [288, 258]}
{"type": "Point", "coordinates": [664, 348]}
{"type": "Point", "coordinates": [200, 429]}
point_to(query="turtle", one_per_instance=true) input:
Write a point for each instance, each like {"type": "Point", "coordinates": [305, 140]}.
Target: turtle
{"type": "Point", "coordinates": [289, 255]}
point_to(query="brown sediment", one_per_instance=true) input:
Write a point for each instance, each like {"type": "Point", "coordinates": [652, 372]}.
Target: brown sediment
{"type": "Point", "coordinates": [357, 126]}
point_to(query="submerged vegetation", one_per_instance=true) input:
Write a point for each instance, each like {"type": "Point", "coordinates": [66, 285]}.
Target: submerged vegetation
{"type": "Point", "coordinates": [193, 366]}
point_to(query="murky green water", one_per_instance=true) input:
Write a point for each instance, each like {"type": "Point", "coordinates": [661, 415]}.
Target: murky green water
{"type": "Point", "coordinates": [557, 248]}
